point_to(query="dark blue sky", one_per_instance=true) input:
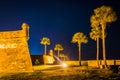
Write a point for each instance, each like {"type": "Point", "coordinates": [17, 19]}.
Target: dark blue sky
{"type": "Point", "coordinates": [59, 20]}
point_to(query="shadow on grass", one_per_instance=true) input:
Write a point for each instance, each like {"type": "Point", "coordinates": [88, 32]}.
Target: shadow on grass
{"type": "Point", "coordinates": [72, 73]}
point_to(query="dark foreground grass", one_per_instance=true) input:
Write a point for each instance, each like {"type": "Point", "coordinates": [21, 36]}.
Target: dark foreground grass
{"type": "Point", "coordinates": [71, 73]}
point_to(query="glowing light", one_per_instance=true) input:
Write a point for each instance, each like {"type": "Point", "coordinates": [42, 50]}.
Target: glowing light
{"type": "Point", "coordinates": [64, 65]}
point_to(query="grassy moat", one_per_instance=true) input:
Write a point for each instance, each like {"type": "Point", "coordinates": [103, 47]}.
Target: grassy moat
{"type": "Point", "coordinates": [51, 72]}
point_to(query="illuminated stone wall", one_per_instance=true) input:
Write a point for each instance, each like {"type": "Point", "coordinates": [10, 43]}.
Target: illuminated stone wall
{"type": "Point", "coordinates": [14, 51]}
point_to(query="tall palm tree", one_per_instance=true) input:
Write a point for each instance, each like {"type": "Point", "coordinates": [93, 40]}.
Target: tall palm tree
{"type": "Point", "coordinates": [45, 41]}
{"type": "Point", "coordinates": [58, 47]}
{"type": "Point", "coordinates": [79, 38]}
{"type": "Point", "coordinates": [104, 15]}
{"type": "Point", "coordinates": [95, 34]}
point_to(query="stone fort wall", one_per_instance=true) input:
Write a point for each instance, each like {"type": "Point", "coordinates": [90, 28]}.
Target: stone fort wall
{"type": "Point", "coordinates": [14, 51]}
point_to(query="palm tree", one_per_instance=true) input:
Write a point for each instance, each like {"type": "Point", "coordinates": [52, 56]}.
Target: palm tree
{"type": "Point", "coordinates": [45, 41]}
{"type": "Point", "coordinates": [104, 15]}
{"type": "Point", "coordinates": [58, 47]}
{"type": "Point", "coordinates": [62, 55]}
{"type": "Point", "coordinates": [79, 38]}
{"type": "Point", "coordinates": [95, 34]}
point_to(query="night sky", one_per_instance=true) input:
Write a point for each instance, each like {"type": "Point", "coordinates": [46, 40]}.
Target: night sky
{"type": "Point", "coordinates": [59, 20]}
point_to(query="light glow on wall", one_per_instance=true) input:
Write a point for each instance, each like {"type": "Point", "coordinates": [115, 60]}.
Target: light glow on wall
{"type": "Point", "coordinates": [8, 45]}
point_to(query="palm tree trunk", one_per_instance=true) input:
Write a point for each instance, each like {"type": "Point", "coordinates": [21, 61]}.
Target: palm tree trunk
{"type": "Point", "coordinates": [64, 58]}
{"type": "Point", "coordinates": [103, 44]}
{"type": "Point", "coordinates": [45, 49]}
{"type": "Point", "coordinates": [58, 53]}
{"type": "Point", "coordinates": [79, 46]}
{"type": "Point", "coordinates": [98, 52]}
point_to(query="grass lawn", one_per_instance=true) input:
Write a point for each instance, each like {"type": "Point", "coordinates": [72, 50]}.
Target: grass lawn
{"type": "Point", "coordinates": [49, 72]}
